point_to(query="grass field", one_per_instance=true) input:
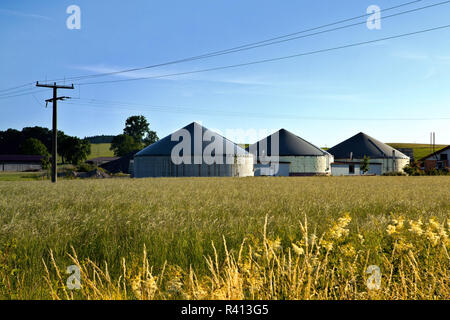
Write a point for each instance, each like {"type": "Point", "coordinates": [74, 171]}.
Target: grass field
{"type": "Point", "coordinates": [100, 150]}
{"type": "Point", "coordinates": [207, 238]}
{"type": "Point", "coordinates": [21, 176]}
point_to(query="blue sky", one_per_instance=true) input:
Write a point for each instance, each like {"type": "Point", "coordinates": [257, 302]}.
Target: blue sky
{"type": "Point", "coordinates": [394, 79]}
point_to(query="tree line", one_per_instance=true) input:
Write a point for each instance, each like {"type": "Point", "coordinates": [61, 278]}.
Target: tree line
{"type": "Point", "coordinates": [38, 141]}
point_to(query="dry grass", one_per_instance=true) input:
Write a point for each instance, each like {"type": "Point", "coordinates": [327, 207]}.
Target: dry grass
{"type": "Point", "coordinates": [267, 238]}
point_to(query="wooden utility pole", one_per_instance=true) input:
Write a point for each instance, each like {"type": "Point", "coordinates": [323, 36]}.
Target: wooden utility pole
{"type": "Point", "coordinates": [55, 98]}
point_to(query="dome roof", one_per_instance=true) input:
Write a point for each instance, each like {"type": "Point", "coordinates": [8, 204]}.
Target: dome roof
{"type": "Point", "coordinates": [289, 145]}
{"type": "Point", "coordinates": [361, 145]}
{"type": "Point", "coordinates": [164, 146]}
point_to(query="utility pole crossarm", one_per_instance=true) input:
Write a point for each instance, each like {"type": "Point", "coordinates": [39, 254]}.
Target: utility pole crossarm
{"type": "Point", "coordinates": [53, 86]}
{"type": "Point", "coordinates": [55, 99]}
{"type": "Point", "coordinates": [58, 98]}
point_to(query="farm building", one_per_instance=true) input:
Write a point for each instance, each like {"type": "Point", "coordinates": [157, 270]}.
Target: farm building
{"type": "Point", "coordinates": [185, 154]}
{"type": "Point", "coordinates": [20, 163]}
{"type": "Point", "coordinates": [101, 160]}
{"type": "Point", "coordinates": [294, 156]}
{"type": "Point", "coordinates": [349, 154]}
{"type": "Point", "coordinates": [436, 160]}
{"type": "Point", "coordinates": [120, 164]}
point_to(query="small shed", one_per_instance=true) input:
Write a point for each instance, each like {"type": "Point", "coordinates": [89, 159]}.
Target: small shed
{"type": "Point", "coordinates": [20, 163]}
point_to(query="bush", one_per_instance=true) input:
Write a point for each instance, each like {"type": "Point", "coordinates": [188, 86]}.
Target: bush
{"type": "Point", "coordinates": [394, 173]}
{"type": "Point", "coordinates": [69, 173]}
{"type": "Point", "coordinates": [438, 172]}
{"type": "Point", "coordinates": [413, 170]}
{"type": "Point", "coordinates": [85, 167]}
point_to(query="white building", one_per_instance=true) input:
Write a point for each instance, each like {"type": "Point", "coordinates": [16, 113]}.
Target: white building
{"type": "Point", "coordinates": [349, 155]}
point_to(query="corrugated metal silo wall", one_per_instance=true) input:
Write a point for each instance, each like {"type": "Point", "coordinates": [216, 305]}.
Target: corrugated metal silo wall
{"type": "Point", "coordinates": [387, 164]}
{"type": "Point", "coordinates": [310, 165]}
{"type": "Point", "coordinates": [164, 167]}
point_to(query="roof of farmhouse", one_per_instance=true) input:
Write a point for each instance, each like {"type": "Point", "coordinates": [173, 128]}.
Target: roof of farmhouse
{"type": "Point", "coordinates": [194, 131]}
{"type": "Point", "coordinates": [361, 145]}
{"type": "Point", "coordinates": [435, 154]}
{"type": "Point", "coordinates": [289, 145]}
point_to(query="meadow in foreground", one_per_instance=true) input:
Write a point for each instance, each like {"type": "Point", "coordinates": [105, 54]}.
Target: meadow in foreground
{"type": "Point", "coordinates": [225, 238]}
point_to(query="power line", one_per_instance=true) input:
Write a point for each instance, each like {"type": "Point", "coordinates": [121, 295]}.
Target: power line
{"type": "Point", "coordinates": [17, 87]}
{"type": "Point", "coordinates": [17, 91]}
{"type": "Point", "coordinates": [203, 111]}
{"type": "Point", "coordinates": [19, 95]}
{"type": "Point", "coordinates": [247, 46]}
{"type": "Point", "coordinates": [272, 59]}
{"type": "Point", "coordinates": [253, 45]}
{"type": "Point", "coordinates": [37, 101]}
{"type": "Point", "coordinates": [258, 43]}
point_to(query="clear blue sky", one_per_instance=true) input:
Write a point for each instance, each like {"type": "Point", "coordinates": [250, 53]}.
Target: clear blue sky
{"type": "Point", "coordinates": [401, 78]}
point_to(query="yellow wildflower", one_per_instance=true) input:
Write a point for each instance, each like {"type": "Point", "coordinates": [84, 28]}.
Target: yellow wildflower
{"type": "Point", "coordinates": [298, 250]}
{"type": "Point", "coordinates": [391, 229]}
{"type": "Point", "coordinates": [416, 227]}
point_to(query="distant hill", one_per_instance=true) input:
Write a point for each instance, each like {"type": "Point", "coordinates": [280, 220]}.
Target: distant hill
{"type": "Point", "coordinates": [100, 139]}
{"type": "Point", "coordinates": [420, 150]}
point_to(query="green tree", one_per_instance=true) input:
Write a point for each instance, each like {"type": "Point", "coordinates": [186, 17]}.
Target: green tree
{"type": "Point", "coordinates": [74, 150]}
{"type": "Point", "coordinates": [365, 165]}
{"type": "Point", "coordinates": [151, 138]}
{"type": "Point", "coordinates": [136, 127]}
{"type": "Point", "coordinates": [124, 144]}
{"type": "Point", "coordinates": [64, 146]}
{"type": "Point", "coordinates": [35, 147]}
{"type": "Point", "coordinates": [42, 134]}
{"type": "Point", "coordinates": [139, 128]}
{"type": "Point", "coordinates": [10, 141]}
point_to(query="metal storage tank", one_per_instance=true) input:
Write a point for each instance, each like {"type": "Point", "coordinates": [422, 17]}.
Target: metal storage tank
{"type": "Point", "coordinates": [351, 152]}
{"type": "Point", "coordinates": [304, 158]}
{"type": "Point", "coordinates": [205, 154]}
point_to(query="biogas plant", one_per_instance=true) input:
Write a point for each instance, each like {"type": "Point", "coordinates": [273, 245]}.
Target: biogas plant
{"type": "Point", "coordinates": [195, 151]}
